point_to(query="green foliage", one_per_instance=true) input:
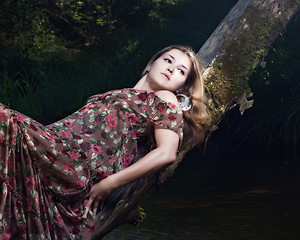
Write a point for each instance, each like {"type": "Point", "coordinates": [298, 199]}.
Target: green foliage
{"type": "Point", "coordinates": [26, 28]}
{"type": "Point", "coordinates": [54, 54]}
{"type": "Point", "coordinates": [62, 77]}
{"type": "Point", "coordinates": [41, 29]}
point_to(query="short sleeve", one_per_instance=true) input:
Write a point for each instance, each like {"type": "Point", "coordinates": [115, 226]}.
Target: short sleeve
{"type": "Point", "coordinates": [157, 111]}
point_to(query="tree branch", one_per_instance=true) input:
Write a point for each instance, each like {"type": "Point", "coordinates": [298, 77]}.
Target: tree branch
{"type": "Point", "coordinates": [229, 57]}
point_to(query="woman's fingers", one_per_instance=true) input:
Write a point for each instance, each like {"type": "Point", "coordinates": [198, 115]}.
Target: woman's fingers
{"type": "Point", "coordinates": [96, 204]}
{"type": "Point", "coordinates": [87, 207]}
{"type": "Point", "coordinates": [96, 196]}
{"type": "Point", "coordinates": [95, 207]}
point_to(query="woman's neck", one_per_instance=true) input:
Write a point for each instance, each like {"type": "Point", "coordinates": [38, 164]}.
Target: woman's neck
{"type": "Point", "coordinates": [142, 84]}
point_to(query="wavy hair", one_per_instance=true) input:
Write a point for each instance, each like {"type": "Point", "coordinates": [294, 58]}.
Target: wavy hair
{"type": "Point", "coordinates": [197, 118]}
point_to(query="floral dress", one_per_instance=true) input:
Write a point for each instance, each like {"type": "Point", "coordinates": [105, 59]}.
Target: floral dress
{"type": "Point", "coordinates": [46, 172]}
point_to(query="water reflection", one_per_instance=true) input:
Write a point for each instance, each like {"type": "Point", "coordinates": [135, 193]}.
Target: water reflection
{"type": "Point", "coordinates": [235, 202]}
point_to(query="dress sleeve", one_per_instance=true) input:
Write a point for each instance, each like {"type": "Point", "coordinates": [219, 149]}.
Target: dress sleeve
{"type": "Point", "coordinates": [158, 111]}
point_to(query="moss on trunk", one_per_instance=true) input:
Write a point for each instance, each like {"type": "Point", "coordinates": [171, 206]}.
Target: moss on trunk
{"type": "Point", "coordinates": [227, 79]}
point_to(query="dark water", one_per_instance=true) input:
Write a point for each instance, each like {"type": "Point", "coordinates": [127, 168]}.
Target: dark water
{"type": "Point", "coordinates": [212, 201]}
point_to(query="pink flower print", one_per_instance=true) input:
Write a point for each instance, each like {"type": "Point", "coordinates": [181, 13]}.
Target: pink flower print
{"type": "Point", "coordinates": [46, 180]}
{"type": "Point", "coordinates": [86, 129]}
{"type": "Point", "coordinates": [109, 152]}
{"type": "Point", "coordinates": [79, 184]}
{"type": "Point", "coordinates": [134, 133]}
{"type": "Point", "coordinates": [22, 230]}
{"type": "Point", "coordinates": [57, 140]}
{"type": "Point", "coordinates": [90, 106]}
{"type": "Point", "coordinates": [35, 142]}
{"type": "Point", "coordinates": [17, 118]}
{"type": "Point", "coordinates": [73, 154]}
{"type": "Point", "coordinates": [3, 116]}
{"type": "Point", "coordinates": [12, 181]}
{"type": "Point", "coordinates": [111, 161]}
{"type": "Point", "coordinates": [152, 94]}
{"type": "Point", "coordinates": [126, 160]}
{"type": "Point", "coordinates": [110, 121]}
{"type": "Point", "coordinates": [65, 134]}
{"type": "Point", "coordinates": [7, 233]}
{"type": "Point", "coordinates": [96, 149]}
{"type": "Point", "coordinates": [75, 230]}
{"type": "Point", "coordinates": [98, 118]}
{"type": "Point", "coordinates": [134, 151]}
{"type": "Point", "coordinates": [101, 175]}
{"type": "Point", "coordinates": [67, 167]}
{"type": "Point", "coordinates": [85, 146]}
{"type": "Point", "coordinates": [47, 136]}
{"type": "Point", "coordinates": [132, 118]}
{"type": "Point", "coordinates": [172, 105]}
{"type": "Point", "coordinates": [51, 157]}
{"type": "Point", "coordinates": [171, 117]}
{"type": "Point", "coordinates": [69, 125]}
{"type": "Point", "coordinates": [123, 137]}
{"type": "Point", "coordinates": [2, 142]}
{"type": "Point", "coordinates": [143, 96]}
{"type": "Point", "coordinates": [34, 128]}
{"type": "Point", "coordinates": [160, 107]}
{"type": "Point", "coordinates": [59, 218]}
{"type": "Point", "coordinates": [20, 118]}
{"type": "Point", "coordinates": [42, 207]}
{"type": "Point", "coordinates": [46, 225]}
{"type": "Point", "coordinates": [29, 182]}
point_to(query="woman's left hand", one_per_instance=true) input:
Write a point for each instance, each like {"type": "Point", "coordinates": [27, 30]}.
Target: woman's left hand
{"type": "Point", "coordinates": [164, 154]}
{"type": "Point", "coordinates": [97, 195]}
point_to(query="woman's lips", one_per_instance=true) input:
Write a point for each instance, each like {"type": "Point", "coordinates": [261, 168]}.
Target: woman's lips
{"type": "Point", "coordinates": [166, 75]}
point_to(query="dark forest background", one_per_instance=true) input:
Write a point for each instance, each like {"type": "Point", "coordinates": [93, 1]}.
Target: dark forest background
{"type": "Point", "coordinates": [54, 54]}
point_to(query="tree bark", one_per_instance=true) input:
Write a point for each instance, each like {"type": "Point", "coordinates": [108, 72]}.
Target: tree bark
{"type": "Point", "coordinates": [229, 57]}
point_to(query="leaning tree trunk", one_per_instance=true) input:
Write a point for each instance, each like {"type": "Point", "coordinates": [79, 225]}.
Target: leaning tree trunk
{"type": "Point", "coordinates": [229, 57]}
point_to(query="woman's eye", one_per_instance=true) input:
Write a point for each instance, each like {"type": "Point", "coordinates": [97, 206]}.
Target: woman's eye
{"type": "Point", "coordinates": [181, 71]}
{"type": "Point", "coordinates": [168, 60]}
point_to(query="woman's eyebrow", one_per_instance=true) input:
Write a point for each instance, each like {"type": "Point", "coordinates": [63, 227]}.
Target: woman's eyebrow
{"type": "Point", "coordinates": [175, 59]}
{"type": "Point", "coordinates": [171, 56]}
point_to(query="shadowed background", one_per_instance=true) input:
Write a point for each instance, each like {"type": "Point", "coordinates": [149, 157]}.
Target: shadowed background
{"type": "Point", "coordinates": [54, 55]}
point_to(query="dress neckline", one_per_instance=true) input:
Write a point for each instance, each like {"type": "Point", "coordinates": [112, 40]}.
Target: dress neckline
{"type": "Point", "coordinates": [152, 92]}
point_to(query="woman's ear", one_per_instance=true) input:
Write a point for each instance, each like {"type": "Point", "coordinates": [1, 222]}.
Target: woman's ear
{"type": "Point", "coordinates": [148, 67]}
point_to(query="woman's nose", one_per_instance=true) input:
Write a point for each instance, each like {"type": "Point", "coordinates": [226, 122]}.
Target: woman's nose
{"type": "Point", "coordinates": [171, 69]}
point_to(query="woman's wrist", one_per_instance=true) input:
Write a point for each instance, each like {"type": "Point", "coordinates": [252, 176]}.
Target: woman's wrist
{"type": "Point", "coordinates": [112, 181]}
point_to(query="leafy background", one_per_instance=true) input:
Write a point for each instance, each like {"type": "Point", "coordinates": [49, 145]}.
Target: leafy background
{"type": "Point", "coordinates": [54, 54]}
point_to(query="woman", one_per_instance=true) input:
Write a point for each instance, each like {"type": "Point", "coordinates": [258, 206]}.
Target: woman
{"type": "Point", "coordinates": [53, 178]}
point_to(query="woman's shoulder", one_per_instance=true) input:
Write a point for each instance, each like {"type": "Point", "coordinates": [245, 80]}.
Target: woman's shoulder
{"type": "Point", "coordinates": [167, 96]}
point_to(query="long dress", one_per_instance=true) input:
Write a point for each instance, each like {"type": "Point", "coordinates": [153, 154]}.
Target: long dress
{"type": "Point", "coordinates": [46, 172]}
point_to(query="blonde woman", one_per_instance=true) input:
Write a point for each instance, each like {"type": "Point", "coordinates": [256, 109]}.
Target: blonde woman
{"type": "Point", "coordinates": [53, 178]}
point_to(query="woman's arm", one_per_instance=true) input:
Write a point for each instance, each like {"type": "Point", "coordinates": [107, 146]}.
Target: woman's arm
{"type": "Point", "coordinates": [167, 143]}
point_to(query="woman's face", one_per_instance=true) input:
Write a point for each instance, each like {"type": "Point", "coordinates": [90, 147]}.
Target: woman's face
{"type": "Point", "coordinates": [169, 71]}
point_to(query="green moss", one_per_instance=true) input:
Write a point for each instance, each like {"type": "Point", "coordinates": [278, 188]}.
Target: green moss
{"type": "Point", "coordinates": [243, 50]}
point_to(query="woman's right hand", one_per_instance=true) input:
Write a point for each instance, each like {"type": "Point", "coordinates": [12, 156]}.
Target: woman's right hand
{"type": "Point", "coordinates": [98, 194]}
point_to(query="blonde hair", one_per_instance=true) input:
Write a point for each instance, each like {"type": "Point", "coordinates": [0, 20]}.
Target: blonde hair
{"type": "Point", "coordinates": [197, 118]}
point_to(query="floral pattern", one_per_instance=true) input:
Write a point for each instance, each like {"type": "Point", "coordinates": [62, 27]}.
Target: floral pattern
{"type": "Point", "coordinates": [46, 172]}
